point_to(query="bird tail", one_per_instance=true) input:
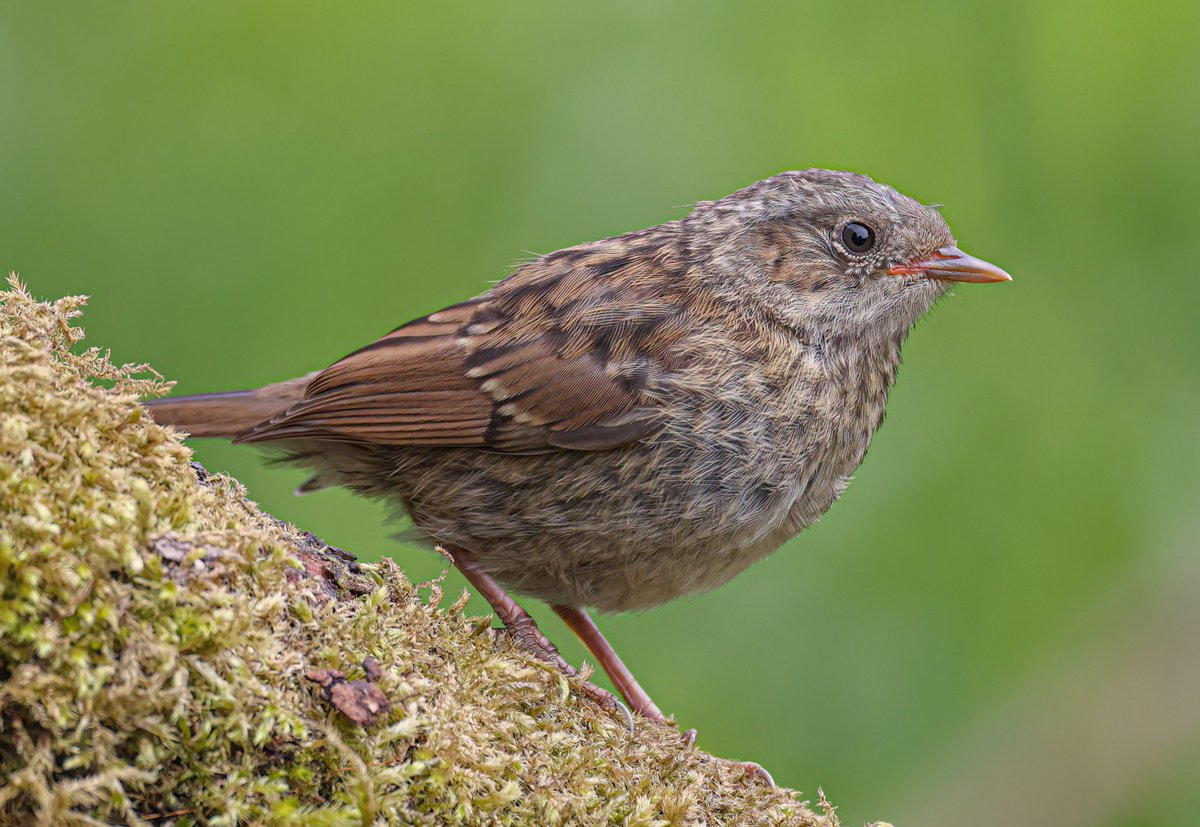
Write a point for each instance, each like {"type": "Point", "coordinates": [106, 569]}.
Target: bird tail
{"type": "Point", "coordinates": [227, 414]}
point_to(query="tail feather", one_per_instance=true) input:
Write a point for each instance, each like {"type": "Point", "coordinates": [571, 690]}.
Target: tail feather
{"type": "Point", "coordinates": [227, 414]}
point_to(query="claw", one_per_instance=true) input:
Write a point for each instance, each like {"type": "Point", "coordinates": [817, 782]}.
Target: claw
{"type": "Point", "coordinates": [609, 701]}
{"type": "Point", "coordinates": [628, 715]}
{"type": "Point", "coordinates": [757, 771]}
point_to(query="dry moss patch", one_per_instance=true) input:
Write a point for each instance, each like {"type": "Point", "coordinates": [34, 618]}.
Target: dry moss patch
{"type": "Point", "coordinates": [156, 630]}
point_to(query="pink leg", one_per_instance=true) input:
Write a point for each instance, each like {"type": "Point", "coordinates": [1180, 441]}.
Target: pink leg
{"type": "Point", "coordinates": [521, 625]}
{"type": "Point", "coordinates": [582, 624]}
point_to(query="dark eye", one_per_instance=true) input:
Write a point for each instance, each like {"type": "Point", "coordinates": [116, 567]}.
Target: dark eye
{"type": "Point", "coordinates": [858, 238]}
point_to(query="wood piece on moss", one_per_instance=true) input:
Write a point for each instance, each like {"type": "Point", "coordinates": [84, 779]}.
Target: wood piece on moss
{"type": "Point", "coordinates": [158, 631]}
{"type": "Point", "coordinates": [360, 701]}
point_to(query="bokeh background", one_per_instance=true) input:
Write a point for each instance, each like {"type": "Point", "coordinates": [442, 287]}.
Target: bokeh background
{"type": "Point", "coordinates": [1000, 622]}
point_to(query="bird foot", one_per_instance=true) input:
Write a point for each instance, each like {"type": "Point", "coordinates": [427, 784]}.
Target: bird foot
{"type": "Point", "coordinates": [533, 641]}
{"type": "Point", "coordinates": [582, 625]}
{"type": "Point", "coordinates": [524, 629]}
{"type": "Point", "coordinates": [610, 702]}
{"type": "Point", "coordinates": [754, 772]}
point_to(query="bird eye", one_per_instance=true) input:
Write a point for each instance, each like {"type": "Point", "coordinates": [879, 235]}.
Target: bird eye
{"type": "Point", "coordinates": [858, 238]}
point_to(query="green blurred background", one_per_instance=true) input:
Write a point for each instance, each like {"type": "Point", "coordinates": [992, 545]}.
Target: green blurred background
{"type": "Point", "coordinates": [1000, 621]}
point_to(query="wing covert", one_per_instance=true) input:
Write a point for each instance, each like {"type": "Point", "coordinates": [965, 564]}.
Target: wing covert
{"type": "Point", "coordinates": [563, 355]}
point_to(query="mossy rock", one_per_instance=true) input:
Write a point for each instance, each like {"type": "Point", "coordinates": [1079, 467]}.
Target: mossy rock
{"type": "Point", "coordinates": [161, 641]}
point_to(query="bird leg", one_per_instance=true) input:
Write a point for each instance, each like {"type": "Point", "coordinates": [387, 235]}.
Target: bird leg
{"type": "Point", "coordinates": [523, 627]}
{"type": "Point", "coordinates": [582, 625]}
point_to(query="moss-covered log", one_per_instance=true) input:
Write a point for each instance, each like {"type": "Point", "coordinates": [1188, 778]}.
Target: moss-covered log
{"type": "Point", "coordinates": [171, 655]}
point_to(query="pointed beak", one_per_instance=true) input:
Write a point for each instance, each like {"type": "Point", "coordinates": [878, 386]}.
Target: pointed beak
{"type": "Point", "coordinates": [952, 264]}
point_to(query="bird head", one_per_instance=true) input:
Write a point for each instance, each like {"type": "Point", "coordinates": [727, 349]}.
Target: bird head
{"type": "Point", "coordinates": [831, 251]}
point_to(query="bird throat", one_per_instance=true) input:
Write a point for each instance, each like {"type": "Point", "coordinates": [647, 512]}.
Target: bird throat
{"type": "Point", "coordinates": [860, 372]}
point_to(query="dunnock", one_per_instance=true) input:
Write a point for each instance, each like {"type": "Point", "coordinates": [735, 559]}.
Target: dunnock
{"type": "Point", "coordinates": [627, 421]}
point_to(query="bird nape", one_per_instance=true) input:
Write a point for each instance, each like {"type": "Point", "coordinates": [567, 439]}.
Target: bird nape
{"type": "Point", "coordinates": [626, 421]}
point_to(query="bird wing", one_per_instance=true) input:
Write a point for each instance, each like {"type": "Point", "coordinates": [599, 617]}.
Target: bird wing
{"type": "Point", "coordinates": [564, 354]}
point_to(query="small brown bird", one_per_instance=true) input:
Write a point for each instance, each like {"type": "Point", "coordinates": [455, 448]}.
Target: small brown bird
{"type": "Point", "coordinates": [627, 421]}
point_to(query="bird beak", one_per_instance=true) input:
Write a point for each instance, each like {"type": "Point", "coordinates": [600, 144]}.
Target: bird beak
{"type": "Point", "coordinates": [952, 264]}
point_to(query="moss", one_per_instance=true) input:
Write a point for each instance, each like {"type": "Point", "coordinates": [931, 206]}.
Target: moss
{"type": "Point", "coordinates": [156, 630]}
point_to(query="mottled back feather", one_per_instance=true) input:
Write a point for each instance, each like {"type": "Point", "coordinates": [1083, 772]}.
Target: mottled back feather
{"type": "Point", "coordinates": [561, 355]}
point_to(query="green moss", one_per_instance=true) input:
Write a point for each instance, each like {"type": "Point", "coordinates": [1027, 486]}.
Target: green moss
{"type": "Point", "coordinates": [156, 628]}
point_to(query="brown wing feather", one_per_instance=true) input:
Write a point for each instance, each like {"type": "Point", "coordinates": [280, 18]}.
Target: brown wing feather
{"type": "Point", "coordinates": [562, 355]}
